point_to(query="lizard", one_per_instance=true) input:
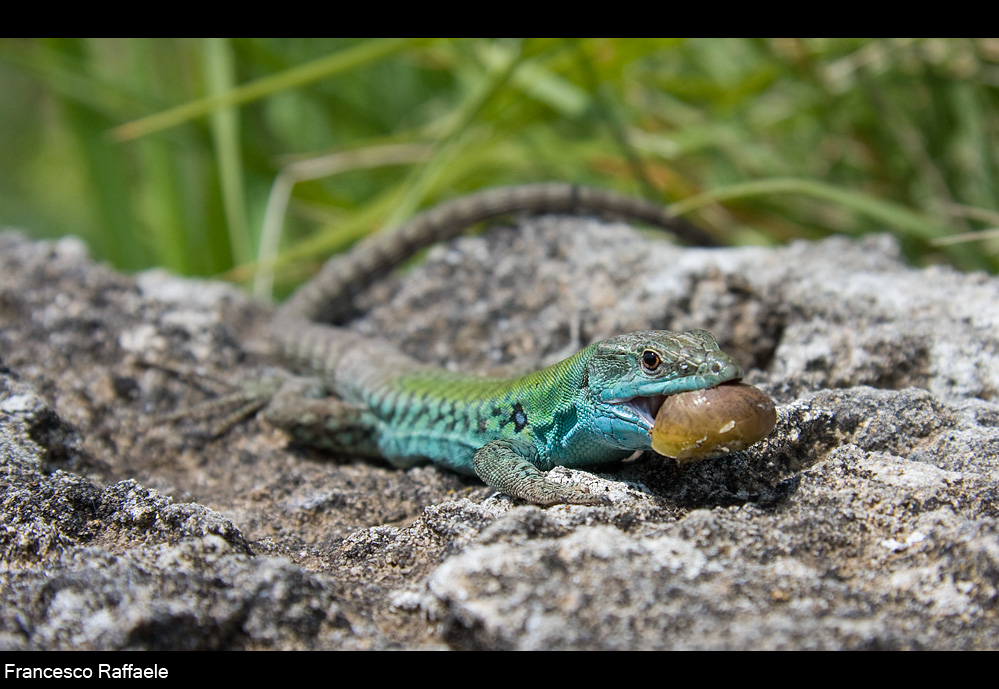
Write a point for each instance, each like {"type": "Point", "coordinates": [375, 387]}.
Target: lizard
{"type": "Point", "coordinates": [368, 398]}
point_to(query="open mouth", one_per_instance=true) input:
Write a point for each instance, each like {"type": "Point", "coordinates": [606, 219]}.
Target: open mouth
{"type": "Point", "coordinates": [648, 407]}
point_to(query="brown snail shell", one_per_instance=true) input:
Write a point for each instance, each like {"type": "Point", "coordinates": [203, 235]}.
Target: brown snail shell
{"type": "Point", "coordinates": [703, 424]}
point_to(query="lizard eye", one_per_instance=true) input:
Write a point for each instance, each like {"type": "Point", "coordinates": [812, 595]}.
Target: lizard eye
{"type": "Point", "coordinates": [650, 360]}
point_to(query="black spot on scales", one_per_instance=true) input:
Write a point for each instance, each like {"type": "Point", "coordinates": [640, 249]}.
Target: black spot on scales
{"type": "Point", "coordinates": [518, 417]}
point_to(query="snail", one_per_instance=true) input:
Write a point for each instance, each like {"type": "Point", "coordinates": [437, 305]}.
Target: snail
{"type": "Point", "coordinates": [703, 424]}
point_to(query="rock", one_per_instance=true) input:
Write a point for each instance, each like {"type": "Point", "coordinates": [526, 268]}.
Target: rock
{"type": "Point", "coordinates": [868, 519]}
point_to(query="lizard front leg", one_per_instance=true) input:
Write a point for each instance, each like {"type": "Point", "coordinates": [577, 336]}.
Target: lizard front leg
{"type": "Point", "coordinates": [509, 466]}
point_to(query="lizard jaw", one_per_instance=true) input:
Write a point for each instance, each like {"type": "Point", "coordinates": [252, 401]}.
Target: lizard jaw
{"type": "Point", "coordinates": [647, 408]}
{"type": "Point", "coordinates": [642, 408]}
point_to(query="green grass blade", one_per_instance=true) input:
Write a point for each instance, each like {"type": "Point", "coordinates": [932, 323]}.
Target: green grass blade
{"type": "Point", "coordinates": [323, 68]}
{"type": "Point", "coordinates": [220, 77]}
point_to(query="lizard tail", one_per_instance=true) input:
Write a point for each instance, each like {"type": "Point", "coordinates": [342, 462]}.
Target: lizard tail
{"type": "Point", "coordinates": [329, 297]}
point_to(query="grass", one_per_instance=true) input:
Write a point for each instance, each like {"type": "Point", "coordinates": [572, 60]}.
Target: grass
{"type": "Point", "coordinates": [256, 158]}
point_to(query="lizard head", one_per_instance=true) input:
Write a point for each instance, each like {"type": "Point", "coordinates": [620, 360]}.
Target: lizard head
{"type": "Point", "coordinates": [629, 376]}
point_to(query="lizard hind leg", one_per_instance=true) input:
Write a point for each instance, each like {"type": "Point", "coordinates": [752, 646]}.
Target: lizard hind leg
{"type": "Point", "coordinates": [509, 466]}
{"type": "Point", "coordinates": [303, 410]}
{"type": "Point", "coordinates": [223, 413]}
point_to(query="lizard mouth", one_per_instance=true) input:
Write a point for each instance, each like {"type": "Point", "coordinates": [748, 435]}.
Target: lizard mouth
{"type": "Point", "coordinates": [647, 408]}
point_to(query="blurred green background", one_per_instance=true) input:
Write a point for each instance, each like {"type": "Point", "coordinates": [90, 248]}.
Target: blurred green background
{"type": "Point", "coordinates": [234, 156]}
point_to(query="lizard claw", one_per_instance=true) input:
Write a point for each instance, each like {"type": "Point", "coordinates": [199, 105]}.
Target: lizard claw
{"type": "Point", "coordinates": [583, 497]}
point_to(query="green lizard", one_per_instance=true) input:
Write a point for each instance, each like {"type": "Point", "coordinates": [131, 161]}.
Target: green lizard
{"type": "Point", "coordinates": [369, 399]}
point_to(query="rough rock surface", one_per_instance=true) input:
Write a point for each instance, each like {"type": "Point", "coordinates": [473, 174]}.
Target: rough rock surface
{"type": "Point", "coordinates": [868, 519]}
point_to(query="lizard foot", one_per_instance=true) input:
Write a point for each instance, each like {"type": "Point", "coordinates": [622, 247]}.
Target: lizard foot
{"type": "Point", "coordinates": [223, 413]}
{"type": "Point", "coordinates": [507, 466]}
